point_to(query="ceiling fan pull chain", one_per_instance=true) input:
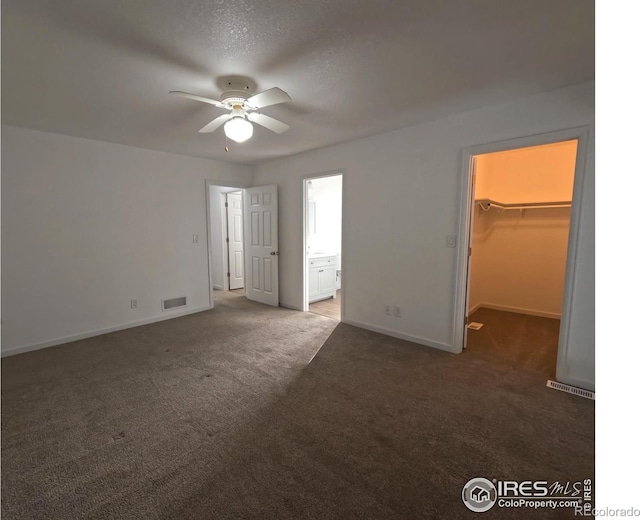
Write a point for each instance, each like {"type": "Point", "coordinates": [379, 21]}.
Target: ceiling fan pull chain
{"type": "Point", "coordinates": [226, 143]}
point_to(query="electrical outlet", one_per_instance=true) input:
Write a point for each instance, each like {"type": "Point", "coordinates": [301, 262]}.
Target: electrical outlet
{"type": "Point", "coordinates": [452, 240]}
{"type": "Point", "coordinates": [387, 310]}
{"type": "Point", "coordinates": [134, 303]}
{"type": "Point", "coordinates": [396, 312]}
{"type": "Point", "coordinates": [195, 239]}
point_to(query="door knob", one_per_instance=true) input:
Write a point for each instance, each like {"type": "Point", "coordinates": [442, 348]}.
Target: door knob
{"type": "Point", "coordinates": [274, 253]}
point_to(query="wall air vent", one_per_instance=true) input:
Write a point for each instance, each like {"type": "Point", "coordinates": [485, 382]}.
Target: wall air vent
{"type": "Point", "coordinates": [571, 390]}
{"type": "Point", "coordinates": [174, 303]}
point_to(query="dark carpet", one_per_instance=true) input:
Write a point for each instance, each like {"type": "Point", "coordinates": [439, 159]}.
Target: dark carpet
{"type": "Point", "coordinates": [530, 342]}
{"type": "Point", "coordinates": [221, 415]}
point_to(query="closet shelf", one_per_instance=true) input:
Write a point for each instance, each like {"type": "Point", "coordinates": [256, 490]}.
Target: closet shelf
{"type": "Point", "coordinates": [487, 204]}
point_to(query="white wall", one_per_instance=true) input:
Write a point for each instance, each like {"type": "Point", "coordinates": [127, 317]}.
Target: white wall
{"type": "Point", "coordinates": [532, 174]}
{"type": "Point", "coordinates": [401, 199]}
{"type": "Point", "coordinates": [88, 225]}
{"type": "Point", "coordinates": [519, 261]}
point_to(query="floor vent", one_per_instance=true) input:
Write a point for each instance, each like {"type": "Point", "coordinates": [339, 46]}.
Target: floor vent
{"type": "Point", "coordinates": [174, 303]}
{"type": "Point", "coordinates": [571, 390]}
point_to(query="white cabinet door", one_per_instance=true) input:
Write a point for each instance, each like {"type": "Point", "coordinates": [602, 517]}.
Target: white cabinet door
{"type": "Point", "coordinates": [321, 277]}
{"type": "Point", "coordinates": [261, 244]}
{"type": "Point", "coordinates": [327, 279]}
{"type": "Point", "coordinates": [236, 256]}
{"type": "Point", "coordinates": [314, 282]}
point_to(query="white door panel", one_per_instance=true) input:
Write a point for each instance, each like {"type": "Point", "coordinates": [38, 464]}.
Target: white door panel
{"type": "Point", "coordinates": [261, 227]}
{"type": "Point", "coordinates": [234, 235]}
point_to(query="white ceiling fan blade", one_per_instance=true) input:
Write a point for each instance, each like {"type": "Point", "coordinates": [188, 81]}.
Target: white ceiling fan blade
{"type": "Point", "coordinates": [268, 122]}
{"type": "Point", "coordinates": [215, 124]}
{"type": "Point", "coordinates": [273, 96]}
{"type": "Point", "coordinates": [197, 98]}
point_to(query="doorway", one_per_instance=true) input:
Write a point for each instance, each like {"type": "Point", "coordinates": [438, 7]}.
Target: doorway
{"type": "Point", "coordinates": [520, 222]}
{"type": "Point", "coordinates": [323, 245]}
{"type": "Point", "coordinates": [226, 238]}
{"type": "Point", "coordinates": [242, 237]}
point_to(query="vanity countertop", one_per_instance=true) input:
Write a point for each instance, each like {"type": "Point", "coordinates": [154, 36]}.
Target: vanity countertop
{"type": "Point", "coordinates": [320, 255]}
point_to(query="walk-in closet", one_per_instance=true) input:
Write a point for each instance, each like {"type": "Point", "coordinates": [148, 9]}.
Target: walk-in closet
{"type": "Point", "coordinates": [519, 239]}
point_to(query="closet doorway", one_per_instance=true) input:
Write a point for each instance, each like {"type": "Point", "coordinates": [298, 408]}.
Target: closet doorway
{"type": "Point", "coordinates": [519, 236]}
{"type": "Point", "coordinates": [226, 239]}
{"type": "Point", "coordinates": [323, 245]}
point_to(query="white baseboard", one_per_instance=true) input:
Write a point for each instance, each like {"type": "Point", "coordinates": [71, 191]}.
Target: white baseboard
{"type": "Point", "coordinates": [217, 287]}
{"type": "Point", "coordinates": [90, 334]}
{"type": "Point", "coordinates": [518, 310]}
{"type": "Point", "coordinates": [401, 335]}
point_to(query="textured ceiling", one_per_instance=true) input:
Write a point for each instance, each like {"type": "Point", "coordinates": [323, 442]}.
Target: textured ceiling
{"type": "Point", "coordinates": [103, 69]}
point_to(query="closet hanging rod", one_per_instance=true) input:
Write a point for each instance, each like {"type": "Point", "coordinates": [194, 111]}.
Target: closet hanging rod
{"type": "Point", "coordinates": [487, 204]}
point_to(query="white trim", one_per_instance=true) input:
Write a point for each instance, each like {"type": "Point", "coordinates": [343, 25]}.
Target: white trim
{"type": "Point", "coordinates": [575, 230]}
{"type": "Point", "coordinates": [217, 287]}
{"type": "Point", "coordinates": [517, 310]}
{"type": "Point", "coordinates": [582, 134]}
{"type": "Point", "coordinates": [99, 332]}
{"type": "Point", "coordinates": [207, 194]}
{"type": "Point", "coordinates": [401, 335]}
{"type": "Point", "coordinates": [305, 219]}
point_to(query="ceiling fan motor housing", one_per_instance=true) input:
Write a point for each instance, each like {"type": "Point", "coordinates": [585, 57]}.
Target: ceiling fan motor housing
{"type": "Point", "coordinates": [233, 98]}
{"type": "Point", "coordinates": [236, 91]}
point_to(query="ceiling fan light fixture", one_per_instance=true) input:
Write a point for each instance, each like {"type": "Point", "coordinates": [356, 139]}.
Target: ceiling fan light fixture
{"type": "Point", "coordinates": [238, 129]}
{"type": "Point", "coordinates": [238, 125]}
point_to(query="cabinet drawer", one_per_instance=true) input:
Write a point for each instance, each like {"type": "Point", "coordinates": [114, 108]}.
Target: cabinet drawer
{"type": "Point", "coordinates": [322, 261]}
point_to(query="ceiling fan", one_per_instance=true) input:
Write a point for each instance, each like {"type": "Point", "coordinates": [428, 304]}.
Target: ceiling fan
{"type": "Point", "coordinates": [242, 110]}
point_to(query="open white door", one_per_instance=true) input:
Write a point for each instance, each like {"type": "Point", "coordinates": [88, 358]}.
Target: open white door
{"type": "Point", "coordinates": [261, 244]}
{"type": "Point", "coordinates": [234, 236]}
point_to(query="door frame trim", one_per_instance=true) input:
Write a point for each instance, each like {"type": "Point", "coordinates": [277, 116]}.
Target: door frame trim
{"type": "Point", "coordinates": [305, 220]}
{"type": "Point", "coordinates": [582, 134]}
